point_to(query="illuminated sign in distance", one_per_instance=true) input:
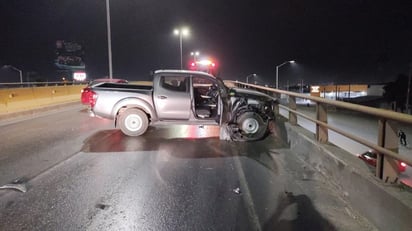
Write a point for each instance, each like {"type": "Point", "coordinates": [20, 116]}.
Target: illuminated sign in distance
{"type": "Point", "coordinates": [79, 76]}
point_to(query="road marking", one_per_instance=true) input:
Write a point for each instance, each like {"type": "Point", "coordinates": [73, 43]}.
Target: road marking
{"type": "Point", "coordinates": [245, 192]}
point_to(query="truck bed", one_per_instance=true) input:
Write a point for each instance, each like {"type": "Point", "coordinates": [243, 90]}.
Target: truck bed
{"type": "Point", "coordinates": [124, 86]}
{"type": "Point", "coordinates": [111, 95]}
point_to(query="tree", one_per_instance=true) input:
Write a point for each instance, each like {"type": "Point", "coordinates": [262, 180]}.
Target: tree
{"type": "Point", "coordinates": [396, 91]}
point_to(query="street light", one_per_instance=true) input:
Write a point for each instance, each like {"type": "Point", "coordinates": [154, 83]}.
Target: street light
{"type": "Point", "coordinates": [15, 69]}
{"type": "Point", "coordinates": [109, 40]}
{"type": "Point", "coordinates": [181, 32]}
{"type": "Point", "coordinates": [247, 77]}
{"type": "Point", "coordinates": [194, 54]}
{"type": "Point", "coordinates": [277, 71]}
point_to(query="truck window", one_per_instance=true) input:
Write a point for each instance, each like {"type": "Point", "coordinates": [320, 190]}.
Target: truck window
{"type": "Point", "coordinates": [174, 83]}
{"type": "Point", "coordinates": [202, 85]}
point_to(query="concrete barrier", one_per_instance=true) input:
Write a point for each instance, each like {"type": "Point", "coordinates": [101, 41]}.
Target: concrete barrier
{"type": "Point", "coordinates": [14, 100]}
{"type": "Point", "coordinates": [387, 205]}
{"type": "Point", "coordinates": [32, 99]}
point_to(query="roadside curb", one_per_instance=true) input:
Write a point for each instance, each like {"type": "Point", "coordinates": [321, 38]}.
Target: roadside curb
{"type": "Point", "coordinates": [406, 184]}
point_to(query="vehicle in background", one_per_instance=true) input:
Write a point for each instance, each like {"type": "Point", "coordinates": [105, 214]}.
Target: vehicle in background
{"type": "Point", "coordinates": [85, 92]}
{"type": "Point", "coordinates": [369, 157]}
{"type": "Point", "coordinates": [184, 97]}
{"type": "Point", "coordinates": [205, 65]}
{"type": "Point", "coordinates": [107, 80]}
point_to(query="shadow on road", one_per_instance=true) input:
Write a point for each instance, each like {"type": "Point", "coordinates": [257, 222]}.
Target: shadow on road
{"type": "Point", "coordinates": [177, 135]}
{"type": "Point", "coordinates": [296, 212]}
{"type": "Point", "coordinates": [186, 141]}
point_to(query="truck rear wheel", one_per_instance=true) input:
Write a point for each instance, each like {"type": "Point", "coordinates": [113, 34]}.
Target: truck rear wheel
{"type": "Point", "coordinates": [133, 122]}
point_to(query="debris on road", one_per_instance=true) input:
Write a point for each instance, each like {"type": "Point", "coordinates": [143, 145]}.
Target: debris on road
{"type": "Point", "coordinates": [237, 190]}
{"type": "Point", "coordinates": [18, 186]}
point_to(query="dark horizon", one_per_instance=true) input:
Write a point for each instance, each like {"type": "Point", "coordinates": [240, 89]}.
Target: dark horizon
{"type": "Point", "coordinates": [332, 41]}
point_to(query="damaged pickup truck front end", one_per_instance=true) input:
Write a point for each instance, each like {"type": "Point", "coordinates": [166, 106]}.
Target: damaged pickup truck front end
{"type": "Point", "coordinates": [251, 113]}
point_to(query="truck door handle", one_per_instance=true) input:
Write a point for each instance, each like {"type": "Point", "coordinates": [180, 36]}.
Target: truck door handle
{"type": "Point", "coordinates": [162, 97]}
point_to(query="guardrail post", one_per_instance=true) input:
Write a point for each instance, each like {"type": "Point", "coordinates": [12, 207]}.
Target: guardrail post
{"type": "Point", "coordinates": [379, 158]}
{"type": "Point", "coordinates": [387, 168]}
{"type": "Point", "coordinates": [277, 96]}
{"type": "Point", "coordinates": [321, 115]}
{"type": "Point", "coordinates": [293, 118]}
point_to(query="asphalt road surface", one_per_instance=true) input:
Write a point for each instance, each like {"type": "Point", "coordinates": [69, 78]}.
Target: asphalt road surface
{"type": "Point", "coordinates": [78, 173]}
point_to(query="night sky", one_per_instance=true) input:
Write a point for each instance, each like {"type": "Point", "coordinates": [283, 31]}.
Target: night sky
{"type": "Point", "coordinates": [345, 41]}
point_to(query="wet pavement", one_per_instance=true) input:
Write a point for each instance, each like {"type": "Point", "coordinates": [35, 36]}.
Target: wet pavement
{"type": "Point", "coordinates": [171, 178]}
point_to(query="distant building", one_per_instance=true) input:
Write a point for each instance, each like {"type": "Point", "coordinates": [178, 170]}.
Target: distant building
{"type": "Point", "coordinates": [376, 90]}
{"type": "Point", "coordinates": [339, 92]}
{"type": "Point", "coordinates": [368, 95]}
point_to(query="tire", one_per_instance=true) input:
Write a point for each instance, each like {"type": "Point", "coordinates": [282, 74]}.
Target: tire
{"type": "Point", "coordinates": [133, 122]}
{"type": "Point", "coordinates": [251, 127]}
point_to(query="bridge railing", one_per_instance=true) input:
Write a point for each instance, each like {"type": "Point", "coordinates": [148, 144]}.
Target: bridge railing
{"type": "Point", "coordinates": [387, 124]}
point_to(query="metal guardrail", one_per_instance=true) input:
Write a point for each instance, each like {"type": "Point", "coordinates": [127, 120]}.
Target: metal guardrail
{"type": "Point", "coordinates": [387, 122]}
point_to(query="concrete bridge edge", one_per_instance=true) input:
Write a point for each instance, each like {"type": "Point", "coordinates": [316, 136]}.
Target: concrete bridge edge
{"type": "Point", "coordinates": [386, 205]}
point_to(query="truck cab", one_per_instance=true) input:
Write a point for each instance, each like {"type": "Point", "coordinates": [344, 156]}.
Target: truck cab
{"type": "Point", "coordinates": [189, 96]}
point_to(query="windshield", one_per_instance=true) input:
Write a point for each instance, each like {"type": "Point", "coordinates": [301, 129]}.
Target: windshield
{"type": "Point", "coordinates": [223, 89]}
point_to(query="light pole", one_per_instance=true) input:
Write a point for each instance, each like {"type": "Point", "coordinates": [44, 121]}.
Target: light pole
{"type": "Point", "coordinates": [251, 75]}
{"type": "Point", "coordinates": [194, 54]}
{"type": "Point", "coordinates": [15, 69]}
{"type": "Point", "coordinates": [409, 88]}
{"type": "Point", "coordinates": [277, 71]}
{"type": "Point", "coordinates": [181, 32]}
{"type": "Point", "coordinates": [109, 39]}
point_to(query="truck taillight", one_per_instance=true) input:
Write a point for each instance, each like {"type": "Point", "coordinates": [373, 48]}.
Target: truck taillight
{"type": "Point", "coordinates": [92, 98]}
{"type": "Point", "coordinates": [88, 97]}
{"type": "Point", "coordinates": [85, 95]}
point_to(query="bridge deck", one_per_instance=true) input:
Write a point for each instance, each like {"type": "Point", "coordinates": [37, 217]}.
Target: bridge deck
{"type": "Point", "coordinates": [176, 178]}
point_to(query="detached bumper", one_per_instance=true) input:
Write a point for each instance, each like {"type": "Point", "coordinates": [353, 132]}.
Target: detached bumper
{"type": "Point", "coordinates": [91, 113]}
{"type": "Point", "coordinates": [225, 132]}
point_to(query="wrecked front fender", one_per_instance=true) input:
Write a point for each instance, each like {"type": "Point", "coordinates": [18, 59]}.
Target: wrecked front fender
{"type": "Point", "coordinates": [250, 113]}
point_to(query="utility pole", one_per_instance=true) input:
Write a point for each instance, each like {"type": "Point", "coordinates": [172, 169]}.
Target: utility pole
{"type": "Point", "coordinates": [409, 89]}
{"type": "Point", "coordinates": [109, 39]}
{"type": "Point", "coordinates": [301, 86]}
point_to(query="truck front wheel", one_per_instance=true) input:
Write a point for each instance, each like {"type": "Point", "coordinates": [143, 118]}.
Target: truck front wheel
{"type": "Point", "coordinates": [250, 127]}
{"type": "Point", "coordinates": [133, 122]}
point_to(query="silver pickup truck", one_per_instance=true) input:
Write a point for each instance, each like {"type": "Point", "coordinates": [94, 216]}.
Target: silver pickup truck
{"type": "Point", "coordinates": [184, 97]}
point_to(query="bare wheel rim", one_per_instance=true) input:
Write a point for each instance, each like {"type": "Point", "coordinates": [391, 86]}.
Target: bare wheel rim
{"type": "Point", "coordinates": [250, 126]}
{"type": "Point", "coordinates": [133, 122]}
